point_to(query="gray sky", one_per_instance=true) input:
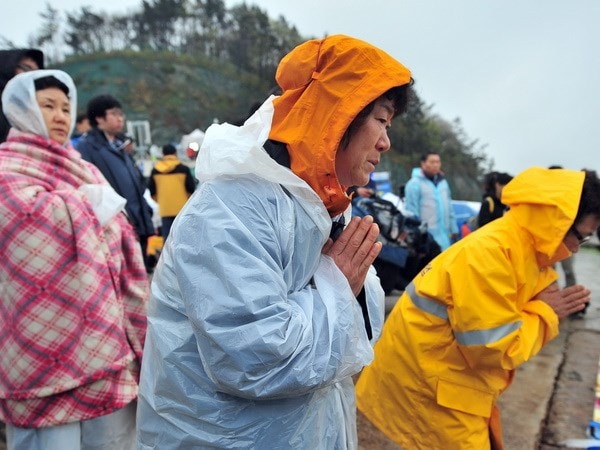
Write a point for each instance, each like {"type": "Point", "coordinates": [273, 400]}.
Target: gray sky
{"type": "Point", "coordinates": [522, 76]}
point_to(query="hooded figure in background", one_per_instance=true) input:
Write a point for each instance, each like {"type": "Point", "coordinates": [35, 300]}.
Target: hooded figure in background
{"type": "Point", "coordinates": [13, 62]}
{"type": "Point", "coordinates": [170, 184]}
{"type": "Point", "coordinates": [480, 309]}
{"type": "Point", "coordinates": [258, 319]}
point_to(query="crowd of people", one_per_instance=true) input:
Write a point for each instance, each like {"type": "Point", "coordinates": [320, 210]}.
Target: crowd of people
{"type": "Point", "coordinates": [264, 303]}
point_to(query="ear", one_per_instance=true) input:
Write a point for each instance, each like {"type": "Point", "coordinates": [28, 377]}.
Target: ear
{"type": "Point", "coordinates": [101, 121]}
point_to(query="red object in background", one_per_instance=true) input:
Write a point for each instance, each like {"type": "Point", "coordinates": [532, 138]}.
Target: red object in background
{"type": "Point", "coordinates": [192, 150]}
{"type": "Point", "coordinates": [464, 229]}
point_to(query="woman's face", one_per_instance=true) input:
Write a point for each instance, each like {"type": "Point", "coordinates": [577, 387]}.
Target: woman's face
{"type": "Point", "coordinates": [581, 231]}
{"type": "Point", "coordinates": [56, 111]}
{"type": "Point", "coordinates": [26, 64]}
{"type": "Point", "coordinates": [354, 164]}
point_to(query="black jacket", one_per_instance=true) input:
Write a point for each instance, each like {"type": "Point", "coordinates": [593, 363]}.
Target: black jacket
{"type": "Point", "coordinates": [8, 63]}
{"type": "Point", "coordinates": [491, 208]}
{"type": "Point", "coordinates": [122, 174]}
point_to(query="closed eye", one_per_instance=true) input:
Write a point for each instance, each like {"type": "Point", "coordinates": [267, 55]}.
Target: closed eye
{"type": "Point", "coordinates": [385, 122]}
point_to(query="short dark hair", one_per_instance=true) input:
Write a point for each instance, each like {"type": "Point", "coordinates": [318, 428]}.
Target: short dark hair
{"type": "Point", "coordinates": [169, 149]}
{"type": "Point", "coordinates": [426, 155]}
{"type": "Point", "coordinates": [589, 204]}
{"type": "Point", "coordinates": [50, 82]}
{"type": "Point", "coordinates": [399, 95]}
{"type": "Point", "coordinates": [489, 183]}
{"type": "Point", "coordinates": [98, 106]}
{"type": "Point", "coordinates": [35, 54]}
{"type": "Point", "coordinates": [504, 178]}
{"type": "Point", "coordinates": [490, 180]}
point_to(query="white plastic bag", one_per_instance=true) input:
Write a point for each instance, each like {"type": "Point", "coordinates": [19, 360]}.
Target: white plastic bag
{"type": "Point", "coordinates": [105, 202]}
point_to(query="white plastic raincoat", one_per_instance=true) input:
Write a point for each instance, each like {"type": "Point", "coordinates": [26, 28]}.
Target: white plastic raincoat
{"type": "Point", "coordinates": [254, 345]}
{"type": "Point", "coordinates": [253, 334]}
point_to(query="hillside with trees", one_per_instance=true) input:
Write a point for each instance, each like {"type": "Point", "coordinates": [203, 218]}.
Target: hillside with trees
{"type": "Point", "coordinates": [180, 64]}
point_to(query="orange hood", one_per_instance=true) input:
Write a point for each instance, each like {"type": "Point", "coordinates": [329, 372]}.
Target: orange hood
{"type": "Point", "coordinates": [326, 83]}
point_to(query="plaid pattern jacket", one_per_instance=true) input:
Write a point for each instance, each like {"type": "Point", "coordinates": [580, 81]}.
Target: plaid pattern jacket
{"type": "Point", "coordinates": [73, 293]}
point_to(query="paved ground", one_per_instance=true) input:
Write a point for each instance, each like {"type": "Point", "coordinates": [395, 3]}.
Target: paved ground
{"type": "Point", "coordinates": [552, 397]}
{"type": "Point", "coordinates": [571, 403]}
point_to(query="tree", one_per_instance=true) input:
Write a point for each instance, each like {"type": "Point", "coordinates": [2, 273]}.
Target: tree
{"type": "Point", "coordinates": [249, 38]}
{"type": "Point", "coordinates": [155, 25]}
{"type": "Point", "coordinates": [46, 37]}
{"type": "Point", "coordinates": [204, 27]}
{"type": "Point", "coordinates": [86, 31]}
{"type": "Point", "coordinates": [122, 32]}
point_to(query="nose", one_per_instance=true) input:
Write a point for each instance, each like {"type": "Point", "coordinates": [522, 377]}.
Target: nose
{"type": "Point", "coordinates": [62, 116]}
{"type": "Point", "coordinates": [384, 144]}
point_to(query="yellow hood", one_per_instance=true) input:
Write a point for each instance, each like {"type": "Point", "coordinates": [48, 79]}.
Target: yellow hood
{"type": "Point", "coordinates": [167, 163]}
{"type": "Point", "coordinates": [545, 202]}
{"type": "Point", "coordinates": [326, 83]}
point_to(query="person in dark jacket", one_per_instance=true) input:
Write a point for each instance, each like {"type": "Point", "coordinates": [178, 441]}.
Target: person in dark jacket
{"type": "Point", "coordinates": [14, 62]}
{"type": "Point", "coordinates": [491, 206]}
{"type": "Point", "coordinates": [82, 126]}
{"type": "Point", "coordinates": [103, 147]}
{"type": "Point", "coordinates": [171, 184]}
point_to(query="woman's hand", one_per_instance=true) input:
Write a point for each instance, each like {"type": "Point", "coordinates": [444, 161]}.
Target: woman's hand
{"type": "Point", "coordinates": [355, 250]}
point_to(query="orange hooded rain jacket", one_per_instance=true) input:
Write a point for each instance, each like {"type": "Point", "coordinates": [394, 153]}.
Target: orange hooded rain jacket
{"type": "Point", "coordinates": [326, 83]}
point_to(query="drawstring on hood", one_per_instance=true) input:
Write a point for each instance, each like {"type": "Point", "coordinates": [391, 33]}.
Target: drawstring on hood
{"type": "Point", "coordinates": [326, 83]}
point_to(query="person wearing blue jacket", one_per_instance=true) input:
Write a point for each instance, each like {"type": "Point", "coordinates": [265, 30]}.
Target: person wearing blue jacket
{"type": "Point", "coordinates": [428, 198]}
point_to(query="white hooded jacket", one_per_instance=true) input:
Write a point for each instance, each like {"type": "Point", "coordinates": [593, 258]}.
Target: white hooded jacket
{"type": "Point", "coordinates": [253, 334]}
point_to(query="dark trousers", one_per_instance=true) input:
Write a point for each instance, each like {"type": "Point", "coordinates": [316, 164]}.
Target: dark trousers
{"type": "Point", "coordinates": [165, 228]}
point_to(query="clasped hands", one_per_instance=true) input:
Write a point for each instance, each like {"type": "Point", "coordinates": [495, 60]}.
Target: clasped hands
{"type": "Point", "coordinates": [355, 250]}
{"type": "Point", "coordinates": [566, 301]}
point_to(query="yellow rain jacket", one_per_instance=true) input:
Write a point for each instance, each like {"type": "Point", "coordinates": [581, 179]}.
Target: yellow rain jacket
{"type": "Point", "coordinates": [452, 342]}
{"type": "Point", "coordinates": [171, 184]}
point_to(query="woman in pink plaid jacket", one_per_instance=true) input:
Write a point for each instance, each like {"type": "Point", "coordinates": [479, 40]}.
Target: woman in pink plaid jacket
{"type": "Point", "coordinates": [73, 287]}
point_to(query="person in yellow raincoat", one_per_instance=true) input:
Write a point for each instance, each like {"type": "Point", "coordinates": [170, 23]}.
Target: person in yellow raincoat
{"type": "Point", "coordinates": [475, 313]}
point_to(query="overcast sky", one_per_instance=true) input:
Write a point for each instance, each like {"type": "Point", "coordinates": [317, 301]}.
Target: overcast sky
{"type": "Point", "coordinates": [522, 76]}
